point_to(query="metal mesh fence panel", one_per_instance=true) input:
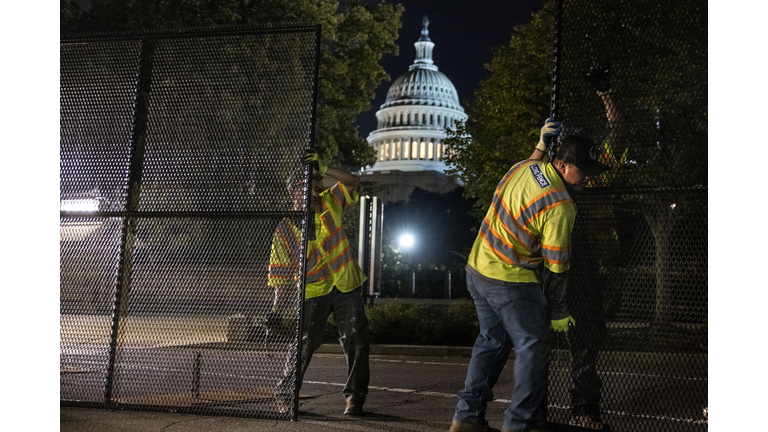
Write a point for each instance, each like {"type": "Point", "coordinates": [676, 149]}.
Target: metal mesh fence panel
{"type": "Point", "coordinates": [633, 77]}
{"type": "Point", "coordinates": [176, 150]}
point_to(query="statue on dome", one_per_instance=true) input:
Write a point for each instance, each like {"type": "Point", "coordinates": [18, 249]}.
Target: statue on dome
{"type": "Point", "coordinates": [425, 31]}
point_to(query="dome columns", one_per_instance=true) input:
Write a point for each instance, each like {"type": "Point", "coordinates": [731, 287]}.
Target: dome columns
{"type": "Point", "coordinates": [416, 148]}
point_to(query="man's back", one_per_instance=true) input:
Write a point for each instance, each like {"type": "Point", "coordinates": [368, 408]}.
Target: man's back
{"type": "Point", "coordinates": [529, 222]}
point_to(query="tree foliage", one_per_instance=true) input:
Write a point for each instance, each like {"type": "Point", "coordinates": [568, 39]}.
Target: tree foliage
{"type": "Point", "coordinates": [657, 53]}
{"type": "Point", "coordinates": [355, 36]}
{"type": "Point", "coordinates": [659, 74]}
{"type": "Point", "coordinates": [506, 113]}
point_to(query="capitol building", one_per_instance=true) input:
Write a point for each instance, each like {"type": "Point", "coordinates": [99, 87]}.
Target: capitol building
{"type": "Point", "coordinates": [408, 140]}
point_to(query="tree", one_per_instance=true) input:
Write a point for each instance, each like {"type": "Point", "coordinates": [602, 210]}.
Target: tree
{"type": "Point", "coordinates": [354, 38]}
{"type": "Point", "coordinates": [658, 56]}
{"type": "Point", "coordinates": [506, 113]}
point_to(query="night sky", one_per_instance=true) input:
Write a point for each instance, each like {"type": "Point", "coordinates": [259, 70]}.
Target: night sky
{"type": "Point", "coordinates": [464, 33]}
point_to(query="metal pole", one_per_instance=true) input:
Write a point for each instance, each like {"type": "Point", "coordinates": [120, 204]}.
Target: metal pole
{"type": "Point", "coordinates": [362, 232]}
{"type": "Point", "coordinates": [380, 230]}
{"type": "Point", "coordinates": [449, 284]}
{"type": "Point", "coordinates": [308, 225]}
{"type": "Point", "coordinates": [414, 282]}
{"type": "Point", "coordinates": [374, 240]}
{"type": "Point", "coordinates": [556, 58]}
{"type": "Point", "coordinates": [138, 147]}
{"type": "Point", "coordinates": [556, 55]}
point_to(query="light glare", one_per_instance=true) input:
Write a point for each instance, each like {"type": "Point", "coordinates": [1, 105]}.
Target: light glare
{"type": "Point", "coordinates": [79, 205]}
{"type": "Point", "coordinates": [406, 240]}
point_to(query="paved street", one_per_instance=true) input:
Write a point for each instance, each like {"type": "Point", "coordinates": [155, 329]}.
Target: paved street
{"type": "Point", "coordinates": [407, 393]}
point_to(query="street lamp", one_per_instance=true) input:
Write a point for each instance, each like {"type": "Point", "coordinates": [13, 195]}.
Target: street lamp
{"type": "Point", "coordinates": [406, 240]}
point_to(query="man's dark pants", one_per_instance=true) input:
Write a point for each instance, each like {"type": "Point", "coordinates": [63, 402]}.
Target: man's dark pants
{"type": "Point", "coordinates": [348, 311]}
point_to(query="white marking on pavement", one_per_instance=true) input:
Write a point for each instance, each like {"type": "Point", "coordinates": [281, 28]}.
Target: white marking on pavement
{"type": "Point", "coordinates": [399, 361]}
{"type": "Point", "coordinates": [325, 383]}
{"type": "Point", "coordinates": [507, 401]}
{"type": "Point", "coordinates": [391, 389]}
{"type": "Point", "coordinates": [654, 417]}
{"type": "Point", "coordinates": [641, 375]}
{"type": "Point", "coordinates": [646, 416]}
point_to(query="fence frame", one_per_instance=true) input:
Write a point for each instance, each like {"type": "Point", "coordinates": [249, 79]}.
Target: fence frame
{"type": "Point", "coordinates": [137, 150]}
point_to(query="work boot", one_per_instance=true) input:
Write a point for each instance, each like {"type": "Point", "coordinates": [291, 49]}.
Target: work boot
{"type": "Point", "coordinates": [354, 408]}
{"type": "Point", "coordinates": [588, 421]}
{"type": "Point", "coordinates": [460, 426]}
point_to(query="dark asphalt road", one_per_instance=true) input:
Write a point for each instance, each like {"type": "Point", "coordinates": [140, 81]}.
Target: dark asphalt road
{"type": "Point", "coordinates": [410, 394]}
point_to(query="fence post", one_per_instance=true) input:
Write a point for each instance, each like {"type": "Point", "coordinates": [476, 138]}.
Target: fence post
{"type": "Point", "coordinates": [138, 142]}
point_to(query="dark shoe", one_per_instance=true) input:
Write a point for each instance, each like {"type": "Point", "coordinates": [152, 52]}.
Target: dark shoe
{"type": "Point", "coordinates": [588, 421]}
{"type": "Point", "coordinates": [459, 426]}
{"type": "Point", "coordinates": [354, 408]}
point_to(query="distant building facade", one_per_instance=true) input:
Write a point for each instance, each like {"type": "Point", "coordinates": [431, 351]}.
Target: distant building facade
{"type": "Point", "coordinates": [409, 140]}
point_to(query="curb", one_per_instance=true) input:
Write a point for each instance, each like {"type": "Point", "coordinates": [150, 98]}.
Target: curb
{"type": "Point", "coordinates": [651, 358]}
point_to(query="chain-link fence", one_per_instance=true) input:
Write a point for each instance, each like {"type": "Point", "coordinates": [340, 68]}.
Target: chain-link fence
{"type": "Point", "coordinates": [175, 151]}
{"type": "Point", "coordinates": [633, 76]}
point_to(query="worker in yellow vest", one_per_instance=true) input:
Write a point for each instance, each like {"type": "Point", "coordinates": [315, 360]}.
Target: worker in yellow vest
{"type": "Point", "coordinates": [333, 280]}
{"type": "Point", "coordinates": [586, 305]}
{"type": "Point", "coordinates": [517, 275]}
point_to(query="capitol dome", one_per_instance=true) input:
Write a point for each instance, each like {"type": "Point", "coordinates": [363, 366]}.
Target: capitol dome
{"type": "Point", "coordinates": [420, 104]}
{"type": "Point", "coordinates": [423, 85]}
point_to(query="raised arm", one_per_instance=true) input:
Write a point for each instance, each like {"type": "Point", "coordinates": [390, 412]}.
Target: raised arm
{"type": "Point", "coordinates": [599, 76]}
{"type": "Point", "coordinates": [349, 180]}
{"type": "Point", "coordinates": [617, 137]}
{"type": "Point", "coordinates": [346, 178]}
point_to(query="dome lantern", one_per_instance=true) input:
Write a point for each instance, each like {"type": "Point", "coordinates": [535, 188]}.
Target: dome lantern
{"type": "Point", "coordinates": [424, 49]}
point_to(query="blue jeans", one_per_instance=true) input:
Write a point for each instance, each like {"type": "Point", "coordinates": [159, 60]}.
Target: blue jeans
{"type": "Point", "coordinates": [511, 315]}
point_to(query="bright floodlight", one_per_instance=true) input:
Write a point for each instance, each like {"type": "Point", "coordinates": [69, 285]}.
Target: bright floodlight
{"type": "Point", "coordinates": [406, 240]}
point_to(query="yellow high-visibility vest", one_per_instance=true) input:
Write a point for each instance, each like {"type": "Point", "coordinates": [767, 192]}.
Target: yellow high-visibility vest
{"type": "Point", "coordinates": [528, 223]}
{"type": "Point", "coordinates": [330, 259]}
{"type": "Point", "coordinates": [609, 159]}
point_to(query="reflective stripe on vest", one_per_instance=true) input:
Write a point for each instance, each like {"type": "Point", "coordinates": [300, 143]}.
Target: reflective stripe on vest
{"type": "Point", "coordinates": [318, 274]}
{"type": "Point", "coordinates": [556, 255]}
{"type": "Point", "coordinates": [289, 238]}
{"type": "Point", "coordinates": [541, 204]}
{"type": "Point", "coordinates": [281, 271]}
{"type": "Point", "coordinates": [503, 249]}
{"type": "Point", "coordinates": [343, 259]}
